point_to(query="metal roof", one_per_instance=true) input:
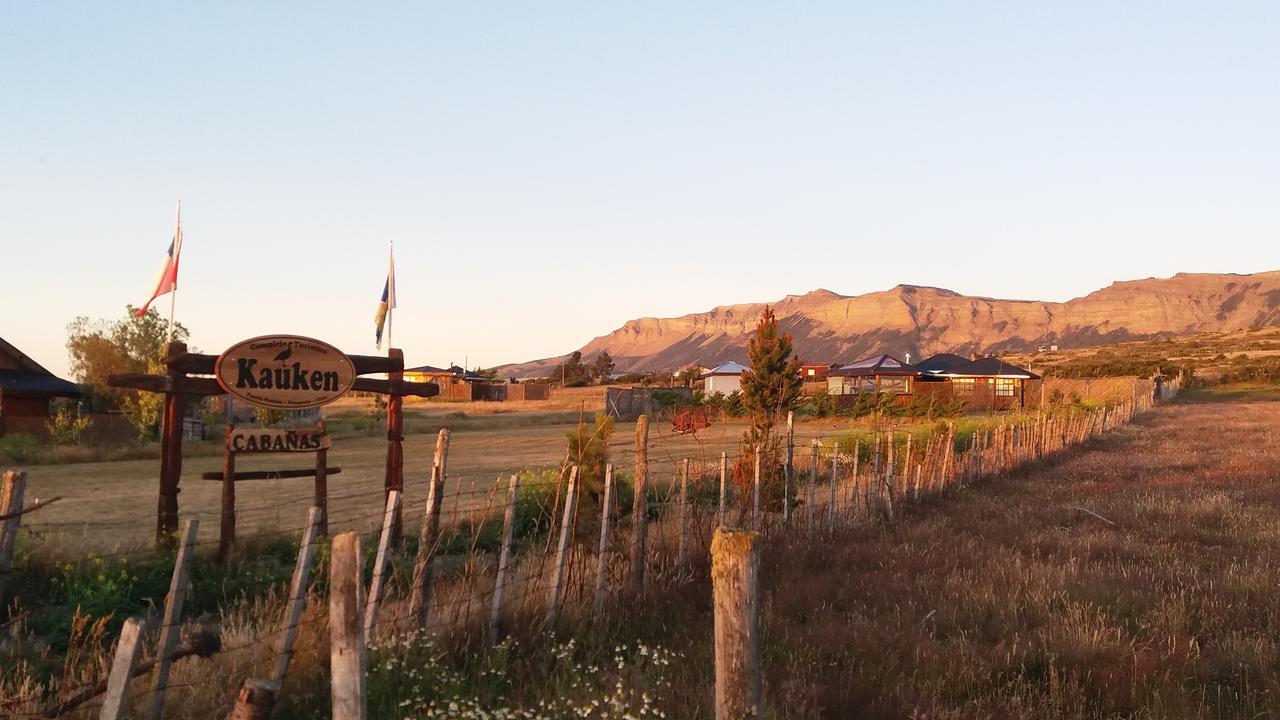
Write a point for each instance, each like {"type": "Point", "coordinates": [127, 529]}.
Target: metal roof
{"type": "Point", "coordinates": [990, 367]}
{"type": "Point", "coordinates": [729, 368]}
{"type": "Point", "coordinates": [876, 365]}
{"type": "Point", "coordinates": [24, 382]}
{"type": "Point", "coordinates": [942, 362]}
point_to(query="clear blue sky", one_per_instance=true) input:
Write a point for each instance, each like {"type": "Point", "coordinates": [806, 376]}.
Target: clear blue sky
{"type": "Point", "coordinates": [549, 170]}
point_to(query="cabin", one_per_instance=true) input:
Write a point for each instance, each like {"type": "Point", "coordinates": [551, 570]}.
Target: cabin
{"type": "Point", "coordinates": [877, 374]}
{"type": "Point", "coordinates": [990, 383]}
{"type": "Point", "coordinates": [26, 389]}
{"type": "Point", "coordinates": [815, 372]}
{"type": "Point", "coordinates": [726, 378]}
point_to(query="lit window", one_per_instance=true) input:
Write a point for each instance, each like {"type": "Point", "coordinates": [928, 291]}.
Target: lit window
{"type": "Point", "coordinates": [962, 387]}
{"type": "Point", "coordinates": [1006, 387]}
{"type": "Point", "coordinates": [810, 372]}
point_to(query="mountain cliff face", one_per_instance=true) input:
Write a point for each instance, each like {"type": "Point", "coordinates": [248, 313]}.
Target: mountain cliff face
{"type": "Point", "coordinates": [829, 327]}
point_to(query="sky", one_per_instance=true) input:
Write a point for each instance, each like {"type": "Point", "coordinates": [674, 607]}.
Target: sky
{"type": "Point", "coordinates": [548, 171]}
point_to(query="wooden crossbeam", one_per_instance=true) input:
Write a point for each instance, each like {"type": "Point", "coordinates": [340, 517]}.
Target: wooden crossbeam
{"type": "Point", "coordinates": [200, 386]}
{"type": "Point", "coordinates": [202, 364]}
{"type": "Point", "coordinates": [269, 474]}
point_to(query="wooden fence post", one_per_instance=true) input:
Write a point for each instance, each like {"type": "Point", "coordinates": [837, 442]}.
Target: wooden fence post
{"type": "Point", "coordinates": [787, 470]}
{"type": "Point", "coordinates": [11, 503]}
{"type": "Point", "coordinates": [126, 656]}
{"type": "Point", "coordinates": [256, 701]}
{"type": "Point", "coordinates": [376, 585]}
{"type": "Point", "coordinates": [639, 508]}
{"type": "Point", "coordinates": [395, 449]}
{"type": "Point", "coordinates": [606, 505]}
{"type": "Point", "coordinates": [420, 595]}
{"type": "Point", "coordinates": [835, 477]}
{"type": "Point", "coordinates": [853, 493]}
{"type": "Point", "coordinates": [888, 475]}
{"type": "Point", "coordinates": [724, 478]}
{"type": "Point", "coordinates": [298, 591]}
{"type": "Point", "coordinates": [812, 493]}
{"type": "Point", "coordinates": [735, 571]}
{"type": "Point", "coordinates": [227, 528]}
{"type": "Point", "coordinates": [755, 492]}
{"type": "Point", "coordinates": [684, 511]}
{"type": "Point", "coordinates": [321, 496]}
{"type": "Point", "coordinates": [172, 624]}
{"type": "Point", "coordinates": [504, 556]}
{"type": "Point", "coordinates": [562, 549]}
{"type": "Point", "coordinates": [346, 637]}
{"type": "Point", "coordinates": [170, 454]}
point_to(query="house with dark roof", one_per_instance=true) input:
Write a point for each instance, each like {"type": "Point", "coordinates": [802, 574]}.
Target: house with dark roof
{"type": "Point", "coordinates": [26, 388]}
{"type": "Point", "coordinates": [876, 374]}
{"type": "Point", "coordinates": [990, 383]}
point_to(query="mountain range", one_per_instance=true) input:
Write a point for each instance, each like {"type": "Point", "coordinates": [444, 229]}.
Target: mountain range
{"type": "Point", "coordinates": [921, 320]}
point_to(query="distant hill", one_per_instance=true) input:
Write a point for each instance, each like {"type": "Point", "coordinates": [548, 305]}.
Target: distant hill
{"type": "Point", "coordinates": [829, 327]}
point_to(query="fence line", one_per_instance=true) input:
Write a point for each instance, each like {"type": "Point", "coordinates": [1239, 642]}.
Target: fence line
{"type": "Point", "coordinates": [541, 572]}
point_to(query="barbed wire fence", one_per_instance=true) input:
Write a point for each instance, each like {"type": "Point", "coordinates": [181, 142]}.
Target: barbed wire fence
{"type": "Point", "coordinates": [533, 551]}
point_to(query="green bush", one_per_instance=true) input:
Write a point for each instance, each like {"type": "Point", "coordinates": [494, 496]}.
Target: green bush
{"type": "Point", "coordinates": [18, 448]}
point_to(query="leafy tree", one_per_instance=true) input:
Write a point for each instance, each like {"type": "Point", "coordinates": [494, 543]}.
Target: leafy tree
{"type": "Point", "coordinates": [99, 348]}
{"type": "Point", "coordinates": [65, 427]}
{"type": "Point", "coordinates": [686, 376]}
{"type": "Point", "coordinates": [572, 372]}
{"type": "Point", "coordinates": [602, 367]}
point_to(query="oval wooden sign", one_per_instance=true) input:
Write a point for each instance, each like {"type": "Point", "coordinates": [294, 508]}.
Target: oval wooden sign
{"type": "Point", "coordinates": [285, 372]}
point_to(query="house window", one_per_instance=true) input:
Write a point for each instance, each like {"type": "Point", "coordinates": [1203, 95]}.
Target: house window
{"type": "Point", "coordinates": [1006, 387]}
{"type": "Point", "coordinates": [809, 372]}
{"type": "Point", "coordinates": [893, 385]}
{"type": "Point", "coordinates": [962, 387]}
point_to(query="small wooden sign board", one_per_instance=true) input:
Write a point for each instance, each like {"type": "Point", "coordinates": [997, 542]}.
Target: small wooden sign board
{"type": "Point", "coordinates": [263, 440]}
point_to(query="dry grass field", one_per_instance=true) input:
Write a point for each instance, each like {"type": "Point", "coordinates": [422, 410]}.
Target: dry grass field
{"type": "Point", "coordinates": [1009, 600]}
{"type": "Point", "coordinates": [111, 505]}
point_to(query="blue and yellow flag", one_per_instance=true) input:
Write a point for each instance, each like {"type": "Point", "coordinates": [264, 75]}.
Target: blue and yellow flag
{"type": "Point", "coordinates": [386, 305]}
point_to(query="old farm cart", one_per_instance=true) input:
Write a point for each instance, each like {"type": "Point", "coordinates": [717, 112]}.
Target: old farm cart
{"type": "Point", "coordinates": [190, 376]}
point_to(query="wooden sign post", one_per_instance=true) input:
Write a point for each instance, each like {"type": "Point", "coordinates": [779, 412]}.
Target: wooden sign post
{"type": "Point", "coordinates": [240, 440]}
{"type": "Point", "coordinates": [278, 371]}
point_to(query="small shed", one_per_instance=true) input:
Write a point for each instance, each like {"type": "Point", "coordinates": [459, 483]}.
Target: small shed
{"type": "Point", "coordinates": [726, 378]}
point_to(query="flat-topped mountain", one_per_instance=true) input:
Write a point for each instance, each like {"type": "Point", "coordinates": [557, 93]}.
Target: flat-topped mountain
{"type": "Point", "coordinates": [829, 327]}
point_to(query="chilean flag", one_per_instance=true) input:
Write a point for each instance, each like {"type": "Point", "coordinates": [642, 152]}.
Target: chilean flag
{"type": "Point", "coordinates": [168, 280]}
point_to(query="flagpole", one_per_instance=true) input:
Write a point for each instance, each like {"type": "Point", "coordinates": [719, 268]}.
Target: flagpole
{"type": "Point", "coordinates": [391, 291]}
{"type": "Point", "coordinates": [173, 296]}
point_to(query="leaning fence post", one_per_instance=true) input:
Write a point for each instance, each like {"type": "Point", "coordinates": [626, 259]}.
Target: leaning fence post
{"type": "Point", "coordinates": [126, 656]}
{"type": "Point", "coordinates": [504, 557]}
{"type": "Point", "coordinates": [606, 504]}
{"type": "Point", "coordinates": [724, 477]}
{"type": "Point", "coordinates": [755, 493]}
{"type": "Point", "coordinates": [420, 595]}
{"type": "Point", "coordinates": [835, 477]}
{"type": "Point", "coordinates": [684, 511]}
{"type": "Point", "coordinates": [169, 631]}
{"type": "Point", "coordinates": [256, 701]}
{"type": "Point", "coordinates": [735, 571]}
{"type": "Point", "coordinates": [346, 637]}
{"type": "Point", "coordinates": [376, 585]}
{"type": "Point", "coordinates": [562, 549]}
{"type": "Point", "coordinates": [298, 591]}
{"type": "Point", "coordinates": [787, 470]}
{"type": "Point", "coordinates": [639, 509]}
{"type": "Point", "coordinates": [813, 485]}
{"type": "Point", "coordinates": [11, 494]}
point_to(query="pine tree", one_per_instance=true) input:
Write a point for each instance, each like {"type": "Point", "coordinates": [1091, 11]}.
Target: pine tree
{"type": "Point", "coordinates": [769, 390]}
{"type": "Point", "coordinates": [772, 385]}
